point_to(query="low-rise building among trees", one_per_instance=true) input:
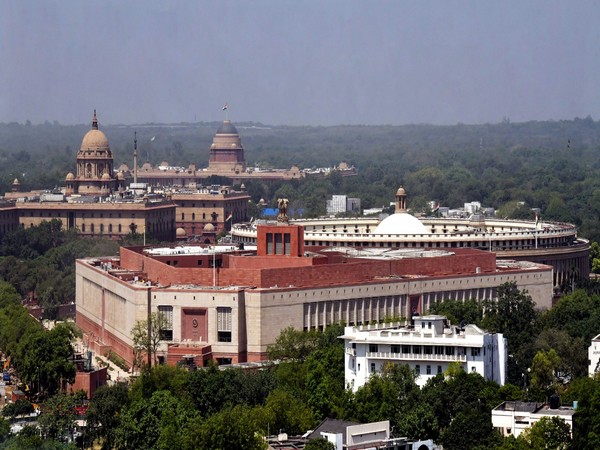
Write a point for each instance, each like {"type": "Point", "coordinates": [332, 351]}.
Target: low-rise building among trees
{"type": "Point", "coordinates": [429, 345]}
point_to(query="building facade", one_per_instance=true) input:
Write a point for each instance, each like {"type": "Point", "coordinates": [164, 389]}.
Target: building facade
{"type": "Point", "coordinates": [229, 305]}
{"type": "Point", "coordinates": [342, 203]}
{"type": "Point", "coordinates": [553, 244]}
{"type": "Point", "coordinates": [202, 214]}
{"type": "Point", "coordinates": [512, 418]}
{"type": "Point", "coordinates": [427, 344]}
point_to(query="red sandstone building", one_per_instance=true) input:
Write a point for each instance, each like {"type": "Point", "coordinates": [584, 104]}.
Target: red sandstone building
{"type": "Point", "coordinates": [228, 305]}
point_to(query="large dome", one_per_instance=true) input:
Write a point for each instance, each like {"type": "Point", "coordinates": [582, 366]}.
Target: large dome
{"type": "Point", "coordinates": [227, 128]}
{"type": "Point", "coordinates": [401, 223]}
{"type": "Point", "coordinates": [95, 139]}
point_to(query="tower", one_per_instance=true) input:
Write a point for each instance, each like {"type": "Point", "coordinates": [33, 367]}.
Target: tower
{"type": "Point", "coordinates": [226, 151]}
{"type": "Point", "coordinates": [94, 165]}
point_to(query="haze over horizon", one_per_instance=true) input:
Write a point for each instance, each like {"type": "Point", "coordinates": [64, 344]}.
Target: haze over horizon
{"type": "Point", "coordinates": [299, 63]}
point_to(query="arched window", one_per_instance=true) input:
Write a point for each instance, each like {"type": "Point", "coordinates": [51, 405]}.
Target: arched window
{"type": "Point", "coordinates": [193, 216]}
{"type": "Point", "coordinates": [101, 228]}
{"type": "Point", "coordinates": [119, 228]}
{"type": "Point", "coordinates": [110, 228]}
{"type": "Point", "coordinates": [92, 228]}
{"type": "Point", "coordinates": [83, 227]}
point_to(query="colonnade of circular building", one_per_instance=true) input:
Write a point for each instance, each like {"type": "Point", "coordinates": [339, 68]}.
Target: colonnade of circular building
{"type": "Point", "coordinates": [551, 243]}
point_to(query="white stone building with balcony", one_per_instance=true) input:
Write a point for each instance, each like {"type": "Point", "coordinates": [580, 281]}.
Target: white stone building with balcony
{"type": "Point", "coordinates": [427, 344]}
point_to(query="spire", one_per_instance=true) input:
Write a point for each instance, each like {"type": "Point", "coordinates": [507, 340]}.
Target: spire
{"type": "Point", "coordinates": [135, 163]}
{"type": "Point", "coordinates": [401, 200]}
{"type": "Point", "coordinates": [95, 121]}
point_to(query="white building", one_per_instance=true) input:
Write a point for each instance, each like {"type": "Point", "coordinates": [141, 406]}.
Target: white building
{"type": "Point", "coordinates": [594, 356]}
{"type": "Point", "coordinates": [472, 207]}
{"type": "Point", "coordinates": [351, 435]}
{"type": "Point", "coordinates": [342, 203]}
{"type": "Point", "coordinates": [512, 418]}
{"type": "Point", "coordinates": [429, 344]}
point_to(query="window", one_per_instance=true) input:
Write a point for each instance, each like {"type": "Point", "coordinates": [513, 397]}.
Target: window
{"type": "Point", "coordinates": [166, 331]}
{"type": "Point", "coordinates": [224, 324]}
{"type": "Point", "coordinates": [475, 351]}
{"type": "Point", "coordinates": [418, 369]}
{"type": "Point", "coordinates": [427, 349]}
{"type": "Point", "coordinates": [428, 370]}
{"type": "Point", "coordinates": [417, 349]}
{"type": "Point", "coordinates": [439, 369]}
{"type": "Point", "coordinates": [395, 349]}
{"type": "Point", "coordinates": [406, 349]}
{"type": "Point", "coordinates": [373, 348]}
{"type": "Point", "coordinates": [83, 227]}
{"type": "Point", "coordinates": [473, 369]}
{"type": "Point", "coordinates": [120, 228]}
{"type": "Point", "coordinates": [372, 367]}
{"type": "Point", "coordinates": [278, 244]}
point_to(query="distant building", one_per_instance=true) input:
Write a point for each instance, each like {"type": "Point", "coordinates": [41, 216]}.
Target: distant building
{"type": "Point", "coordinates": [472, 207]}
{"type": "Point", "coordinates": [428, 345]}
{"type": "Point", "coordinates": [339, 204]}
{"type": "Point", "coordinates": [512, 418]}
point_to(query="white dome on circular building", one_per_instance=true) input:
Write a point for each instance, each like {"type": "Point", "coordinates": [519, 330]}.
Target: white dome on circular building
{"type": "Point", "coordinates": [401, 223]}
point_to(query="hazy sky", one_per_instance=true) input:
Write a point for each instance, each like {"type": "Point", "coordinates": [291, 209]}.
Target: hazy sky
{"type": "Point", "coordinates": [299, 62]}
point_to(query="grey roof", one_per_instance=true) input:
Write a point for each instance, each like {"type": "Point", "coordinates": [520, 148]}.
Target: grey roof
{"type": "Point", "coordinates": [333, 426]}
{"type": "Point", "coordinates": [227, 128]}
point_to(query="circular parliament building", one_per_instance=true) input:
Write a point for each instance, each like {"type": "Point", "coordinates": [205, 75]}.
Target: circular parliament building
{"type": "Point", "coordinates": [550, 243]}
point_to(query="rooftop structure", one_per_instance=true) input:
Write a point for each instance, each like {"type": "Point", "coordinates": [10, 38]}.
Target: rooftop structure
{"type": "Point", "coordinates": [427, 344]}
{"type": "Point", "coordinates": [512, 418]}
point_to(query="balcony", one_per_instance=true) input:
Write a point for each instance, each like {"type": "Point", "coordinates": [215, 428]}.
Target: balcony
{"type": "Point", "coordinates": [415, 357]}
{"type": "Point", "coordinates": [350, 351]}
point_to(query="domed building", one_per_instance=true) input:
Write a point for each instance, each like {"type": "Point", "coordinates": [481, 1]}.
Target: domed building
{"type": "Point", "coordinates": [94, 175]}
{"type": "Point", "coordinates": [401, 222]}
{"type": "Point", "coordinates": [551, 243]}
{"type": "Point", "coordinates": [226, 151]}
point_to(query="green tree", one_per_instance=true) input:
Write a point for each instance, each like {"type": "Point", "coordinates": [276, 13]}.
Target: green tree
{"type": "Point", "coordinates": [419, 422]}
{"type": "Point", "coordinates": [295, 345]}
{"type": "Point", "coordinates": [586, 422]}
{"type": "Point", "coordinates": [44, 358]}
{"type": "Point", "coordinates": [144, 342]}
{"type": "Point", "coordinates": [543, 371]}
{"type": "Point", "coordinates": [58, 417]}
{"type": "Point", "coordinates": [104, 413]}
{"type": "Point", "coordinates": [232, 428]}
{"type": "Point", "coordinates": [548, 433]}
{"type": "Point", "coordinates": [319, 444]}
{"type": "Point", "coordinates": [386, 395]}
{"type": "Point", "coordinates": [158, 422]}
{"type": "Point", "coordinates": [513, 315]}
{"type": "Point", "coordinates": [458, 311]}
{"type": "Point", "coordinates": [285, 412]}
